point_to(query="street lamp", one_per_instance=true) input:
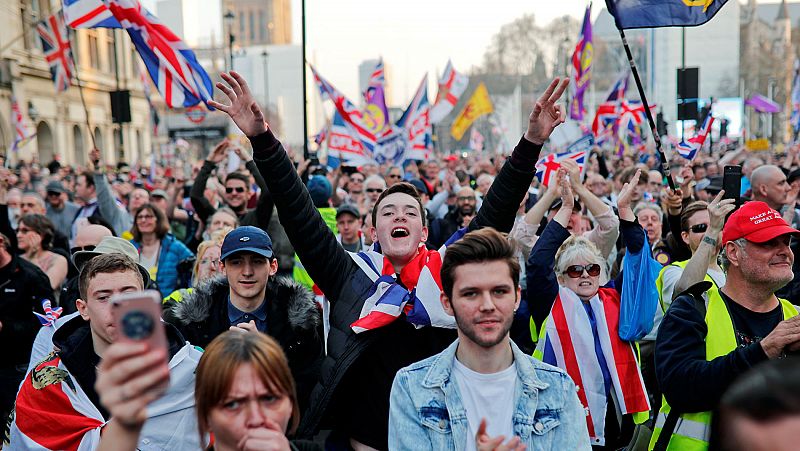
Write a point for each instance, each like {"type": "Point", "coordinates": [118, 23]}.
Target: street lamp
{"type": "Point", "coordinates": [265, 55]}
{"type": "Point", "coordinates": [229, 17]}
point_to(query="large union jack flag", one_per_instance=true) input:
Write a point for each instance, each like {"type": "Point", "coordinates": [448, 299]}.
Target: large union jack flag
{"type": "Point", "coordinates": [351, 115]}
{"type": "Point", "coordinates": [57, 51]}
{"type": "Point", "coordinates": [89, 14]}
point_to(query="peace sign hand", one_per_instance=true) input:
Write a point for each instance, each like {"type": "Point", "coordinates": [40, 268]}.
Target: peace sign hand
{"type": "Point", "coordinates": [243, 108]}
{"type": "Point", "coordinates": [546, 114]}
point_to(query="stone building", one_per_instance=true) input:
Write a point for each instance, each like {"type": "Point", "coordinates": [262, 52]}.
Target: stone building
{"type": "Point", "coordinates": [105, 61]}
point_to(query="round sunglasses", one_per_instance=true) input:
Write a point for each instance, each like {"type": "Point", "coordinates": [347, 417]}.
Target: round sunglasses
{"type": "Point", "coordinates": [576, 271]}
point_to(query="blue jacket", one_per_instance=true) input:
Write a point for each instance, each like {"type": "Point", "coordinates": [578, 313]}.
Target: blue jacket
{"type": "Point", "coordinates": [172, 253]}
{"type": "Point", "coordinates": [426, 410]}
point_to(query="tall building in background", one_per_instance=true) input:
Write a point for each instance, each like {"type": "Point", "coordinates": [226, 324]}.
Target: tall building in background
{"type": "Point", "coordinates": [365, 71]}
{"type": "Point", "coordinates": [259, 22]}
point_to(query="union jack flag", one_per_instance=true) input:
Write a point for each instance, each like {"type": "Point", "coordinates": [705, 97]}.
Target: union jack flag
{"type": "Point", "coordinates": [172, 66]}
{"type": "Point", "coordinates": [18, 123]}
{"type": "Point", "coordinates": [89, 14]}
{"type": "Point", "coordinates": [377, 78]}
{"type": "Point", "coordinates": [350, 113]}
{"type": "Point", "coordinates": [416, 124]}
{"type": "Point", "coordinates": [57, 51]}
{"type": "Point", "coordinates": [688, 149]}
{"type": "Point", "coordinates": [547, 167]}
{"type": "Point", "coordinates": [320, 137]}
{"type": "Point", "coordinates": [50, 314]}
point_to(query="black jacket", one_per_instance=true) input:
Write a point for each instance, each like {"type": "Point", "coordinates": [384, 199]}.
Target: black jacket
{"type": "Point", "coordinates": [293, 320]}
{"type": "Point", "coordinates": [346, 286]}
{"type": "Point", "coordinates": [23, 287]}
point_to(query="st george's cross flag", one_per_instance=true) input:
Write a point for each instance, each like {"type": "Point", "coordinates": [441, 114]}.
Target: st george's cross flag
{"type": "Point", "coordinates": [451, 86]}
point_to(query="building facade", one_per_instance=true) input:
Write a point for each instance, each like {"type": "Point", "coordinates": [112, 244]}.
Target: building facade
{"type": "Point", "coordinates": [259, 22]}
{"type": "Point", "coordinates": [105, 61]}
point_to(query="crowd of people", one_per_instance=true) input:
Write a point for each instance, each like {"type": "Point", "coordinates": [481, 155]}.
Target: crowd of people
{"type": "Point", "coordinates": [453, 303]}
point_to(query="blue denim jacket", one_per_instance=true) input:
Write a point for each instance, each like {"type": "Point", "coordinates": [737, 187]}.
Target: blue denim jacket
{"type": "Point", "coordinates": [426, 410]}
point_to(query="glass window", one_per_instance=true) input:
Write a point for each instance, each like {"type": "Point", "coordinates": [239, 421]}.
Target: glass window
{"type": "Point", "coordinates": [252, 17]}
{"type": "Point", "coordinates": [94, 51]}
{"type": "Point", "coordinates": [262, 25]}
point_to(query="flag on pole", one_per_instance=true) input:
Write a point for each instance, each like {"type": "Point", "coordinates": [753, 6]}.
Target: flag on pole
{"type": "Point", "coordinates": [57, 51]}
{"type": "Point", "coordinates": [154, 118]}
{"type": "Point", "coordinates": [415, 126]}
{"type": "Point", "coordinates": [620, 87]}
{"type": "Point", "coordinates": [321, 136]}
{"type": "Point", "coordinates": [795, 119]}
{"type": "Point", "coordinates": [688, 149]}
{"type": "Point", "coordinates": [172, 65]}
{"type": "Point", "coordinates": [351, 116]}
{"type": "Point", "coordinates": [21, 132]}
{"type": "Point", "coordinates": [479, 104]}
{"type": "Point", "coordinates": [662, 13]}
{"type": "Point", "coordinates": [451, 86]}
{"type": "Point", "coordinates": [581, 68]}
{"type": "Point", "coordinates": [547, 167]}
{"type": "Point", "coordinates": [343, 145]}
{"type": "Point", "coordinates": [376, 114]}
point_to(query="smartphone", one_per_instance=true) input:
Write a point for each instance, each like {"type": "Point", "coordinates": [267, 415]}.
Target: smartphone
{"type": "Point", "coordinates": [137, 318]}
{"type": "Point", "coordinates": [732, 184]}
{"type": "Point", "coordinates": [314, 159]}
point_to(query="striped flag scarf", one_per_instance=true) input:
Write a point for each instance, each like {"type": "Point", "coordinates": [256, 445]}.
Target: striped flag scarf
{"type": "Point", "coordinates": [416, 292]}
{"type": "Point", "coordinates": [569, 344]}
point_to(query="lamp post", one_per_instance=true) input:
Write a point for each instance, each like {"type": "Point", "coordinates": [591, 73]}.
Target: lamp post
{"type": "Point", "coordinates": [265, 55]}
{"type": "Point", "coordinates": [229, 17]}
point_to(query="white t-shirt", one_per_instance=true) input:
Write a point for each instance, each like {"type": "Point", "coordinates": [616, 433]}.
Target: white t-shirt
{"type": "Point", "coordinates": [489, 396]}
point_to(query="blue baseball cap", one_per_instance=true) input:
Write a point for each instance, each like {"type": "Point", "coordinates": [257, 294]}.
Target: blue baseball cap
{"type": "Point", "coordinates": [246, 239]}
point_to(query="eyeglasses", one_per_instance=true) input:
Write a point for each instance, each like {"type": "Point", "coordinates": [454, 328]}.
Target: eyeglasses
{"type": "Point", "coordinates": [576, 271]}
{"type": "Point", "coordinates": [206, 261]}
{"type": "Point", "coordinates": [53, 194]}
{"type": "Point", "coordinates": [238, 189]}
{"type": "Point", "coordinates": [698, 228]}
{"type": "Point", "coordinates": [465, 198]}
{"type": "Point", "coordinates": [145, 217]}
{"type": "Point", "coordinates": [81, 248]}
{"type": "Point", "coordinates": [394, 176]}
{"type": "Point", "coordinates": [374, 190]}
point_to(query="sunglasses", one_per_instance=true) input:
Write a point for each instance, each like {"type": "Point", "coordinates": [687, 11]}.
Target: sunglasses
{"type": "Point", "coordinates": [53, 194]}
{"type": "Point", "coordinates": [238, 189]}
{"type": "Point", "coordinates": [394, 176]}
{"type": "Point", "coordinates": [698, 228]}
{"type": "Point", "coordinates": [81, 248]}
{"type": "Point", "coordinates": [374, 190]}
{"type": "Point", "coordinates": [576, 271]}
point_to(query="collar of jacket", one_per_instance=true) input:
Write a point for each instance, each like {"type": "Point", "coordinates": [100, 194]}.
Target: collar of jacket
{"type": "Point", "coordinates": [300, 304]}
{"type": "Point", "coordinates": [439, 373]}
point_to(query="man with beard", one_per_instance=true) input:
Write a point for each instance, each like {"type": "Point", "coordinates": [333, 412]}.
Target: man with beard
{"type": "Point", "coordinates": [391, 291]}
{"type": "Point", "coordinates": [483, 377]}
{"type": "Point", "coordinates": [459, 216]}
{"type": "Point", "coordinates": [710, 336]}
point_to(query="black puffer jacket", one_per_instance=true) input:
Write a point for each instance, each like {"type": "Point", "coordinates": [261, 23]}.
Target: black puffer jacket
{"type": "Point", "coordinates": [293, 320]}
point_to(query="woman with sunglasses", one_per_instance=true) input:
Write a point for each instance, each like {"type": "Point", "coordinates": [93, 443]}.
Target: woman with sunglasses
{"type": "Point", "coordinates": [577, 313]}
{"type": "Point", "coordinates": [159, 251]}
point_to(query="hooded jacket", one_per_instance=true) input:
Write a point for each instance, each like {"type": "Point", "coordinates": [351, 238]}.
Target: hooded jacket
{"type": "Point", "coordinates": [58, 408]}
{"type": "Point", "coordinates": [293, 320]}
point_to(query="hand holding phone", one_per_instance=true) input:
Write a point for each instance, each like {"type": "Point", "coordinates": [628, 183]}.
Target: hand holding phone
{"type": "Point", "coordinates": [732, 184]}
{"type": "Point", "coordinates": [137, 319]}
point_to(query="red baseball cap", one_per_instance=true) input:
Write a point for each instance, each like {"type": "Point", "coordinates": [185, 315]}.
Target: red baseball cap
{"type": "Point", "coordinates": [451, 158]}
{"type": "Point", "coordinates": [756, 222]}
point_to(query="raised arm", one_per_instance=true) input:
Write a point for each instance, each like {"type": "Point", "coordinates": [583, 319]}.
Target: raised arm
{"type": "Point", "coordinates": [322, 256]}
{"type": "Point", "coordinates": [539, 267]}
{"type": "Point", "coordinates": [605, 232]}
{"type": "Point", "coordinates": [697, 266]}
{"type": "Point", "coordinates": [501, 203]}
{"type": "Point", "coordinates": [201, 205]}
{"type": "Point", "coordinates": [119, 218]}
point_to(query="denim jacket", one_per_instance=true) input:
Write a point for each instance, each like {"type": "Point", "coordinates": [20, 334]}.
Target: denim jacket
{"type": "Point", "coordinates": [426, 410]}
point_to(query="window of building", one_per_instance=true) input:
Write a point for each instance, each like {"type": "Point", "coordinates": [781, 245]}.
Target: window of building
{"type": "Point", "coordinates": [252, 17]}
{"type": "Point", "coordinates": [262, 25]}
{"type": "Point", "coordinates": [94, 49]}
{"type": "Point", "coordinates": [111, 52]}
{"type": "Point", "coordinates": [242, 26]}
{"type": "Point", "coordinates": [80, 148]}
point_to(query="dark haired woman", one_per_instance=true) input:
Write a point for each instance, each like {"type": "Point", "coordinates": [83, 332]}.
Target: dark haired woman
{"type": "Point", "coordinates": [159, 251]}
{"type": "Point", "coordinates": [35, 239]}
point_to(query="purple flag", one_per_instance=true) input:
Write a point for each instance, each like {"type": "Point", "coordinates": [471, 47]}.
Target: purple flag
{"type": "Point", "coordinates": [763, 104]}
{"type": "Point", "coordinates": [375, 114]}
{"type": "Point", "coordinates": [581, 68]}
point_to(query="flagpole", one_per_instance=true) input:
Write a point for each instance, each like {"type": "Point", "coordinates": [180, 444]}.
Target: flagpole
{"type": "Point", "coordinates": [305, 94]}
{"type": "Point", "coordinates": [664, 164]}
{"type": "Point", "coordinates": [80, 91]}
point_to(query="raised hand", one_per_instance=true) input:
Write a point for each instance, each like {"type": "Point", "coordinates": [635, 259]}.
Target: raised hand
{"type": "Point", "coordinates": [243, 153]}
{"type": "Point", "coordinates": [624, 198]}
{"type": "Point", "coordinates": [574, 172]}
{"type": "Point", "coordinates": [243, 109]}
{"type": "Point", "coordinates": [674, 201]}
{"type": "Point", "coordinates": [565, 189]}
{"type": "Point", "coordinates": [546, 114]}
{"type": "Point", "coordinates": [220, 152]}
{"type": "Point", "coordinates": [718, 210]}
